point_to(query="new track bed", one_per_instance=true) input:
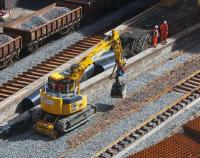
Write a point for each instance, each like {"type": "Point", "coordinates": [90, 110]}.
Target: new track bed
{"type": "Point", "coordinates": [190, 87]}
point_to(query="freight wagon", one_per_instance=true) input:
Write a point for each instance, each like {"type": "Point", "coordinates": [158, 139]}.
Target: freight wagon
{"type": "Point", "coordinates": [9, 48]}
{"type": "Point", "coordinates": [7, 4]}
{"type": "Point", "coordinates": [58, 18]}
{"type": "Point", "coordinates": [35, 28]}
{"type": "Point", "coordinates": [93, 7]}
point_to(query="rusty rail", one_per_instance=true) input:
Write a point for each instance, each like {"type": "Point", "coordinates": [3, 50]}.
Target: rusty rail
{"type": "Point", "coordinates": [24, 79]}
{"type": "Point", "coordinates": [190, 87]}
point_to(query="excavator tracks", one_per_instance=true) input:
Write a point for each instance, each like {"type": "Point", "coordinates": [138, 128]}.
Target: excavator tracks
{"type": "Point", "coordinates": [69, 123]}
{"type": "Point", "coordinates": [190, 87]}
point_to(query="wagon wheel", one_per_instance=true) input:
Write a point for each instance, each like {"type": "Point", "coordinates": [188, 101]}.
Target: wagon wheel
{"type": "Point", "coordinates": [77, 25]}
{"type": "Point", "coordinates": [64, 32]}
{"type": "Point", "coordinates": [7, 61]}
{"type": "Point", "coordinates": [33, 47]}
{"type": "Point", "coordinates": [69, 29]}
{"type": "Point", "coordinates": [15, 56]}
{"type": "Point", "coordinates": [2, 64]}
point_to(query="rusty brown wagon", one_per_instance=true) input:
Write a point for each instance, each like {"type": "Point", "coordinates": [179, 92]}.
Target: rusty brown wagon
{"type": "Point", "coordinates": [34, 37]}
{"type": "Point", "coordinates": [91, 8]}
{"type": "Point", "coordinates": [10, 50]}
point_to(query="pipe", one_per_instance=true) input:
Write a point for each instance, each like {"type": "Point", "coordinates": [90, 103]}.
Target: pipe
{"type": "Point", "coordinates": [21, 121]}
{"type": "Point", "coordinates": [29, 102]}
{"type": "Point", "coordinates": [103, 63]}
{"type": "Point", "coordinates": [107, 64]}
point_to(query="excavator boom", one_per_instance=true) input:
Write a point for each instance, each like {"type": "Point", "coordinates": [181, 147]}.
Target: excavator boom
{"type": "Point", "coordinates": [110, 42]}
{"type": "Point", "coordinates": [64, 106]}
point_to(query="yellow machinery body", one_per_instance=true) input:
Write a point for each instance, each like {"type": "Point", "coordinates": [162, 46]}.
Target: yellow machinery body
{"type": "Point", "coordinates": [62, 106]}
{"type": "Point", "coordinates": [61, 100]}
{"type": "Point", "coordinates": [46, 128]}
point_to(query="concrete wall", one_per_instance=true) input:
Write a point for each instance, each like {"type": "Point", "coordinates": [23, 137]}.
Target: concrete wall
{"type": "Point", "coordinates": [137, 62]}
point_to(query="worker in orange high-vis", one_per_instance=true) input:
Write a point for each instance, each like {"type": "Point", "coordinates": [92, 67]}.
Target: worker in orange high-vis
{"type": "Point", "coordinates": [155, 35]}
{"type": "Point", "coordinates": [164, 32]}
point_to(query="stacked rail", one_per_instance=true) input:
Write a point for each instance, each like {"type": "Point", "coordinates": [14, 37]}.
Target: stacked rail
{"type": "Point", "coordinates": [190, 87]}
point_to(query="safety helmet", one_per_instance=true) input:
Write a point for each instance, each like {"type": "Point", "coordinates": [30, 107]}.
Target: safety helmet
{"type": "Point", "coordinates": [156, 26]}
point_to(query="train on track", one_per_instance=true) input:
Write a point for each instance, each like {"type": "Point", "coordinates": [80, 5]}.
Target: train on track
{"type": "Point", "coordinates": [31, 31]}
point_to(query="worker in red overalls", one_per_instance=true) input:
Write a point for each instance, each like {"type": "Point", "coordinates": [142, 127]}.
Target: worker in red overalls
{"type": "Point", "coordinates": [155, 35]}
{"type": "Point", "coordinates": [164, 32]}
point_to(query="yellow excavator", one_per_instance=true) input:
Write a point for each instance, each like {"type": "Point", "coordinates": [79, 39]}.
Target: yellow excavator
{"type": "Point", "coordinates": [63, 105]}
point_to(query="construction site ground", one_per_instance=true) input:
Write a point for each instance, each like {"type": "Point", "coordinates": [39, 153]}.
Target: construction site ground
{"type": "Point", "coordinates": [116, 116]}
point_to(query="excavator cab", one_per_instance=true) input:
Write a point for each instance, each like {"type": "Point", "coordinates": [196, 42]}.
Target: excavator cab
{"type": "Point", "coordinates": [60, 100]}
{"type": "Point", "coordinates": [59, 84]}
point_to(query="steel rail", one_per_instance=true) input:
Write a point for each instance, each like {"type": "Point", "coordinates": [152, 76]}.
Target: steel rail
{"type": "Point", "coordinates": [190, 87]}
{"type": "Point", "coordinates": [43, 68]}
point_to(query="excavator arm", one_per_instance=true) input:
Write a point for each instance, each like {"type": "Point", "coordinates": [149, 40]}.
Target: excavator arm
{"type": "Point", "coordinates": [63, 108]}
{"type": "Point", "coordinates": [109, 42]}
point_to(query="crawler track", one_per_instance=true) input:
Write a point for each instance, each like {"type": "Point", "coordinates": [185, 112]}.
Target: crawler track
{"type": "Point", "coordinates": [190, 87]}
{"type": "Point", "coordinates": [24, 79]}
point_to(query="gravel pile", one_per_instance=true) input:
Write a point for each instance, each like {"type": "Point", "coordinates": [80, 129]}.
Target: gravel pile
{"type": "Point", "coordinates": [55, 13]}
{"type": "Point", "coordinates": [36, 21]}
{"type": "Point", "coordinates": [4, 39]}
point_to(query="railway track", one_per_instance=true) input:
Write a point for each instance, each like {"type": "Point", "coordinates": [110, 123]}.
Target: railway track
{"type": "Point", "coordinates": [24, 79]}
{"type": "Point", "coordinates": [190, 87]}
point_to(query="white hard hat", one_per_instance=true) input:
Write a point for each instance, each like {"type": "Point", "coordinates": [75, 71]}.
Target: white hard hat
{"type": "Point", "coordinates": [156, 26]}
{"type": "Point", "coordinates": [164, 22]}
